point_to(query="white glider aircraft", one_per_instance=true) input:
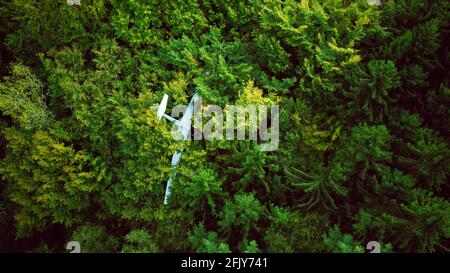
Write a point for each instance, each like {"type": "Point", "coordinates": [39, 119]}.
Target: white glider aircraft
{"type": "Point", "coordinates": [183, 127]}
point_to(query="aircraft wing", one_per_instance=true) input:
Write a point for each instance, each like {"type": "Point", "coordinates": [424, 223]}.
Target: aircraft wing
{"type": "Point", "coordinates": [176, 157]}
{"type": "Point", "coordinates": [175, 160]}
{"type": "Point", "coordinates": [167, 194]}
{"type": "Point", "coordinates": [184, 124]}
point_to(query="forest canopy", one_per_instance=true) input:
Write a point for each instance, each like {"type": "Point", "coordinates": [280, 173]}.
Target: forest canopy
{"type": "Point", "coordinates": [363, 155]}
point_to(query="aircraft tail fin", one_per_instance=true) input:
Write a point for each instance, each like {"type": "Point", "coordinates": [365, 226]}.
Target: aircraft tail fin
{"type": "Point", "coordinates": [162, 106]}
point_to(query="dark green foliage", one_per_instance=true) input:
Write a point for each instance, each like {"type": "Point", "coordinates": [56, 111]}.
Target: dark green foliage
{"type": "Point", "coordinates": [251, 168]}
{"type": "Point", "coordinates": [139, 241]}
{"type": "Point", "coordinates": [240, 215]}
{"type": "Point", "coordinates": [428, 158]}
{"type": "Point", "coordinates": [371, 97]}
{"type": "Point", "coordinates": [291, 231]}
{"type": "Point", "coordinates": [364, 151]}
{"type": "Point", "coordinates": [207, 242]}
{"type": "Point", "coordinates": [94, 239]}
{"type": "Point", "coordinates": [318, 188]}
{"type": "Point", "coordinates": [342, 243]}
{"type": "Point", "coordinates": [423, 221]}
{"type": "Point", "coordinates": [199, 192]}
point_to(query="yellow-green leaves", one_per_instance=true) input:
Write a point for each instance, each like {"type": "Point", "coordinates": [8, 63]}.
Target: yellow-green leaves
{"type": "Point", "coordinates": [22, 98]}
{"type": "Point", "coordinates": [53, 182]}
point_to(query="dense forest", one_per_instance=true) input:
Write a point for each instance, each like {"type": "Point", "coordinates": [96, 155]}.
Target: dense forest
{"type": "Point", "coordinates": [363, 154]}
